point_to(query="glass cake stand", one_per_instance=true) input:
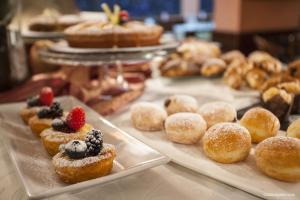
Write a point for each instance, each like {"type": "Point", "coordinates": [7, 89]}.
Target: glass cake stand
{"type": "Point", "coordinates": [61, 54]}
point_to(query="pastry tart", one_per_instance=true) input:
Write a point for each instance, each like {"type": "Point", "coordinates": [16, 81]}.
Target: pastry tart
{"type": "Point", "coordinates": [36, 103]}
{"type": "Point", "coordinates": [81, 160]}
{"type": "Point", "coordinates": [63, 131]}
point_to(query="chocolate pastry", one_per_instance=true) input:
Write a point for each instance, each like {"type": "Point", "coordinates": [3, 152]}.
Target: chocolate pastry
{"type": "Point", "coordinates": [279, 102]}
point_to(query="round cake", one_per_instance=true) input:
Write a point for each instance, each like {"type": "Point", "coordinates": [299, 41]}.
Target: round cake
{"type": "Point", "coordinates": [108, 35]}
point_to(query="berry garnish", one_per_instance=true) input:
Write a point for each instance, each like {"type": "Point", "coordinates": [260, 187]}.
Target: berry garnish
{"type": "Point", "coordinates": [124, 16]}
{"type": "Point", "coordinates": [55, 111]}
{"type": "Point", "coordinates": [60, 125]}
{"type": "Point", "coordinates": [75, 149]}
{"type": "Point", "coordinates": [46, 96]}
{"type": "Point", "coordinates": [44, 113]}
{"type": "Point", "coordinates": [33, 101]}
{"type": "Point", "coordinates": [94, 142]}
{"type": "Point", "coordinates": [76, 118]}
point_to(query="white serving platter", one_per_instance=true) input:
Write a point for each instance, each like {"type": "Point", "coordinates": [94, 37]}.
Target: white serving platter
{"type": "Point", "coordinates": [243, 175]}
{"type": "Point", "coordinates": [34, 166]}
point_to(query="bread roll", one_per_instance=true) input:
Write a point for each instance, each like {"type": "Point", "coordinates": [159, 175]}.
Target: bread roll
{"type": "Point", "coordinates": [279, 158]}
{"type": "Point", "coordinates": [227, 142]}
{"type": "Point", "coordinates": [185, 128]}
{"type": "Point", "coordinates": [147, 116]}
{"type": "Point", "coordinates": [261, 124]}
{"type": "Point", "coordinates": [216, 112]}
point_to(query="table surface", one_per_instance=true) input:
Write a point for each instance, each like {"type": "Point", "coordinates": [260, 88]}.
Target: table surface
{"type": "Point", "coordinates": [169, 181]}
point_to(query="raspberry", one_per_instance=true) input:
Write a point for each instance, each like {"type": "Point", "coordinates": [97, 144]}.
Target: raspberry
{"type": "Point", "coordinates": [124, 16]}
{"type": "Point", "coordinates": [46, 96]}
{"type": "Point", "coordinates": [76, 118]}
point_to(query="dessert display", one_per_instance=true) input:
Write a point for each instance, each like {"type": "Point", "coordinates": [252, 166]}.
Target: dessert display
{"type": "Point", "coordinates": [279, 158]}
{"type": "Point", "coordinates": [216, 112]}
{"type": "Point", "coordinates": [63, 131]}
{"type": "Point", "coordinates": [188, 59]}
{"type": "Point", "coordinates": [43, 119]}
{"type": "Point", "coordinates": [185, 128]}
{"type": "Point", "coordinates": [117, 32]}
{"type": "Point", "coordinates": [261, 124]}
{"type": "Point", "coordinates": [294, 129]}
{"type": "Point", "coordinates": [36, 103]}
{"type": "Point", "coordinates": [81, 160]}
{"type": "Point", "coordinates": [147, 116]}
{"type": "Point", "coordinates": [227, 143]}
{"type": "Point", "coordinates": [180, 103]}
{"type": "Point", "coordinates": [52, 21]}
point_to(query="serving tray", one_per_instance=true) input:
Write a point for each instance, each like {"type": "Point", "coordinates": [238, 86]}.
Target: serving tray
{"type": "Point", "coordinates": [243, 175]}
{"type": "Point", "coordinates": [34, 166]}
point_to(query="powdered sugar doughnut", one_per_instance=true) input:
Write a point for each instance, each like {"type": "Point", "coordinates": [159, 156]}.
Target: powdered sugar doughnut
{"type": "Point", "coordinates": [279, 158]}
{"type": "Point", "coordinates": [216, 112]}
{"type": "Point", "coordinates": [181, 103]}
{"type": "Point", "coordinates": [261, 124]}
{"type": "Point", "coordinates": [147, 116]}
{"type": "Point", "coordinates": [185, 128]}
{"type": "Point", "coordinates": [227, 142]}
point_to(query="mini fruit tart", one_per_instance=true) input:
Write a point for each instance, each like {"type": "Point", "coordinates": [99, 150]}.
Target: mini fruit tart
{"type": "Point", "coordinates": [63, 131]}
{"type": "Point", "coordinates": [81, 160]}
{"type": "Point", "coordinates": [43, 119]}
{"type": "Point", "coordinates": [36, 103]}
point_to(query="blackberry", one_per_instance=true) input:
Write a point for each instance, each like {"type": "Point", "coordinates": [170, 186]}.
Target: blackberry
{"type": "Point", "coordinates": [44, 113]}
{"type": "Point", "coordinates": [33, 101]}
{"type": "Point", "coordinates": [75, 149]}
{"type": "Point", "coordinates": [94, 142]}
{"type": "Point", "coordinates": [60, 125]}
{"type": "Point", "coordinates": [56, 110]}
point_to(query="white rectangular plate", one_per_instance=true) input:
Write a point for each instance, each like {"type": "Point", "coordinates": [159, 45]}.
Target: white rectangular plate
{"type": "Point", "coordinates": [242, 175]}
{"type": "Point", "coordinates": [34, 166]}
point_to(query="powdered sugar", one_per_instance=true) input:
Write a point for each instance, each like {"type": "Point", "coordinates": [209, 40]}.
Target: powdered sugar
{"type": "Point", "coordinates": [185, 120]}
{"type": "Point", "coordinates": [59, 160]}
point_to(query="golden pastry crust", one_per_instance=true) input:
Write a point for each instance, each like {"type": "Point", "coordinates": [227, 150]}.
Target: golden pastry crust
{"type": "Point", "coordinates": [256, 78]}
{"type": "Point", "coordinates": [294, 129]}
{"type": "Point", "coordinates": [213, 67]}
{"type": "Point", "coordinates": [146, 116]}
{"type": "Point", "coordinates": [279, 158]}
{"type": "Point", "coordinates": [37, 125]}
{"type": "Point", "coordinates": [78, 170]}
{"type": "Point", "coordinates": [185, 128]}
{"type": "Point", "coordinates": [294, 69]}
{"type": "Point", "coordinates": [52, 139]}
{"type": "Point", "coordinates": [232, 56]}
{"type": "Point", "coordinates": [261, 124]}
{"type": "Point", "coordinates": [290, 87]}
{"type": "Point", "coordinates": [107, 35]}
{"type": "Point", "coordinates": [265, 61]}
{"type": "Point", "coordinates": [227, 143]}
{"type": "Point", "coordinates": [273, 91]}
{"type": "Point", "coordinates": [27, 113]}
